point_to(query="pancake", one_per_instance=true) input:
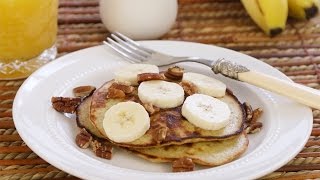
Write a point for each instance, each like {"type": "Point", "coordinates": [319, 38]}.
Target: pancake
{"type": "Point", "coordinates": [82, 118]}
{"type": "Point", "coordinates": [180, 131]}
{"type": "Point", "coordinates": [213, 153]}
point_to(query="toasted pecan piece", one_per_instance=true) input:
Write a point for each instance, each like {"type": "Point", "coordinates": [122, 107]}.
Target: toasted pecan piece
{"type": "Point", "coordinates": [65, 104]}
{"type": "Point", "coordinates": [83, 91]}
{"type": "Point", "coordinates": [256, 115]}
{"type": "Point", "coordinates": [83, 139]}
{"type": "Point", "coordinates": [102, 149]}
{"type": "Point", "coordinates": [115, 93]}
{"type": "Point", "coordinates": [160, 134]}
{"type": "Point", "coordinates": [125, 88]}
{"type": "Point", "coordinates": [151, 108]}
{"type": "Point", "coordinates": [174, 73]}
{"type": "Point", "coordinates": [189, 88]}
{"type": "Point", "coordinates": [149, 76]}
{"type": "Point", "coordinates": [249, 112]}
{"type": "Point", "coordinates": [159, 131]}
{"type": "Point", "coordinates": [182, 165]}
{"type": "Point", "coordinates": [253, 128]}
{"type": "Point", "coordinates": [252, 125]}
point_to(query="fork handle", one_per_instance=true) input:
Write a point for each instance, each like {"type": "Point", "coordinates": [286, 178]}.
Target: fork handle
{"type": "Point", "coordinates": [297, 92]}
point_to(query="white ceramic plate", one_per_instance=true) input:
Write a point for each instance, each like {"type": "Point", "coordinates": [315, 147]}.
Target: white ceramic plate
{"type": "Point", "coordinates": [287, 125]}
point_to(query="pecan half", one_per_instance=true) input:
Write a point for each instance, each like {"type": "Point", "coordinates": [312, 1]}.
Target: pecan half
{"type": "Point", "coordinates": [174, 73]}
{"type": "Point", "coordinates": [249, 112]}
{"type": "Point", "coordinates": [83, 91]}
{"type": "Point", "coordinates": [189, 88]}
{"type": "Point", "coordinates": [83, 139]}
{"type": "Point", "coordinates": [64, 104]}
{"type": "Point", "coordinates": [149, 76]}
{"type": "Point", "coordinates": [151, 108]}
{"type": "Point", "coordinates": [125, 88]}
{"type": "Point", "coordinates": [102, 149]}
{"type": "Point", "coordinates": [115, 93]}
{"type": "Point", "coordinates": [182, 165]}
{"type": "Point", "coordinates": [254, 128]}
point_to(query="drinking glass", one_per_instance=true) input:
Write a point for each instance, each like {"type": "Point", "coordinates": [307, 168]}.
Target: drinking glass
{"type": "Point", "coordinates": [139, 19]}
{"type": "Point", "coordinates": [28, 31]}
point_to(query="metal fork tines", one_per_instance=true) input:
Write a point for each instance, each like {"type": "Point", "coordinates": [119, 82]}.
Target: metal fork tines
{"type": "Point", "coordinates": [128, 48]}
{"type": "Point", "coordinates": [135, 53]}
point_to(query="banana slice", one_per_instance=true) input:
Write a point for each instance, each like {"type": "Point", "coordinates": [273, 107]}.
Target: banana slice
{"type": "Point", "coordinates": [206, 85]}
{"type": "Point", "coordinates": [126, 122]}
{"type": "Point", "coordinates": [206, 112]}
{"type": "Point", "coordinates": [128, 74]}
{"type": "Point", "coordinates": [161, 93]}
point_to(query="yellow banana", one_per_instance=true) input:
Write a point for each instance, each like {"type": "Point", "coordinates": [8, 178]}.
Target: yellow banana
{"type": "Point", "coordinates": [269, 15]}
{"type": "Point", "coordinates": [303, 9]}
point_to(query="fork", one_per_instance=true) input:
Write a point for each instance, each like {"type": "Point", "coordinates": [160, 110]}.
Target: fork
{"type": "Point", "coordinates": [135, 53]}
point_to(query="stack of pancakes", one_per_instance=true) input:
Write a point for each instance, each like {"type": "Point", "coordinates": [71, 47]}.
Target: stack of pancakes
{"type": "Point", "coordinates": [182, 139]}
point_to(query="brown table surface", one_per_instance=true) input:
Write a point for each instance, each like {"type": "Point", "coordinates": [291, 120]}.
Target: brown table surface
{"type": "Point", "coordinates": [223, 23]}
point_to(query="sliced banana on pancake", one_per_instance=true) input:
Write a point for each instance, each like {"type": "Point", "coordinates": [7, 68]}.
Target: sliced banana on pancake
{"type": "Point", "coordinates": [126, 122]}
{"type": "Point", "coordinates": [161, 93]}
{"type": "Point", "coordinates": [128, 74]}
{"type": "Point", "coordinates": [180, 130]}
{"type": "Point", "coordinates": [206, 112]}
{"type": "Point", "coordinates": [206, 85]}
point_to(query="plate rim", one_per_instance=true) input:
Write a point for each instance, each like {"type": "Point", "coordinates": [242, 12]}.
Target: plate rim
{"type": "Point", "coordinates": [143, 42]}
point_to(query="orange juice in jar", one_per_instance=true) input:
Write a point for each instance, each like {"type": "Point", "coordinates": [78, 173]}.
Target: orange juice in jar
{"type": "Point", "coordinates": [28, 30]}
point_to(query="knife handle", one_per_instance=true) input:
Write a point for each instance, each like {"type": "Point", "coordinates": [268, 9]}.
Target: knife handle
{"type": "Point", "coordinates": [297, 92]}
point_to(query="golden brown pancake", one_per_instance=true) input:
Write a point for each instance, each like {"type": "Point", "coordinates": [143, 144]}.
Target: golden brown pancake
{"type": "Point", "coordinates": [180, 131]}
{"type": "Point", "coordinates": [212, 153]}
{"type": "Point", "coordinates": [83, 119]}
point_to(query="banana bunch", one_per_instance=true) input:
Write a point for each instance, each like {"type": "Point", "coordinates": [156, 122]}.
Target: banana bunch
{"type": "Point", "coordinates": [303, 9]}
{"type": "Point", "coordinates": [271, 15]}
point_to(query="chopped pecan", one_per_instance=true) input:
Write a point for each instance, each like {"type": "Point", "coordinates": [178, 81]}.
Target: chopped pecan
{"type": "Point", "coordinates": [83, 91]}
{"type": "Point", "coordinates": [174, 73]}
{"type": "Point", "coordinates": [149, 76]}
{"type": "Point", "coordinates": [125, 88]}
{"type": "Point", "coordinates": [151, 108]}
{"type": "Point", "coordinates": [252, 116]}
{"type": "Point", "coordinates": [159, 132]}
{"type": "Point", "coordinates": [64, 104]}
{"type": "Point", "coordinates": [182, 165]}
{"type": "Point", "coordinates": [134, 99]}
{"type": "Point", "coordinates": [189, 88]}
{"type": "Point", "coordinates": [249, 112]}
{"type": "Point", "coordinates": [102, 149]}
{"type": "Point", "coordinates": [256, 115]}
{"type": "Point", "coordinates": [115, 93]}
{"type": "Point", "coordinates": [83, 139]}
{"type": "Point", "coordinates": [254, 128]}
